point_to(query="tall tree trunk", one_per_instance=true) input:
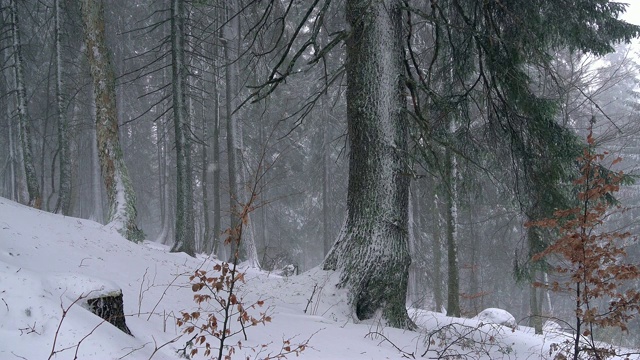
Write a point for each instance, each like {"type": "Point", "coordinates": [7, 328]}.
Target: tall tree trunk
{"type": "Point", "coordinates": [326, 218]}
{"type": "Point", "coordinates": [215, 144]}
{"type": "Point", "coordinates": [218, 241]}
{"type": "Point", "coordinates": [535, 305]}
{"type": "Point", "coordinates": [437, 259]}
{"type": "Point", "coordinates": [372, 252]}
{"type": "Point", "coordinates": [120, 194]}
{"type": "Point", "coordinates": [412, 289]}
{"type": "Point", "coordinates": [247, 250]}
{"type": "Point", "coordinates": [13, 195]}
{"type": "Point", "coordinates": [184, 231]}
{"type": "Point", "coordinates": [207, 238]}
{"type": "Point", "coordinates": [453, 277]}
{"type": "Point", "coordinates": [232, 155]}
{"type": "Point", "coordinates": [97, 213]}
{"type": "Point", "coordinates": [33, 188]}
{"type": "Point", "coordinates": [64, 192]}
{"type": "Point", "coordinates": [474, 267]}
{"type": "Point", "coordinates": [12, 158]}
{"type": "Point", "coordinates": [163, 180]}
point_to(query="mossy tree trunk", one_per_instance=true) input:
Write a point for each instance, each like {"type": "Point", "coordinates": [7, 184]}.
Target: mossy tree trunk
{"type": "Point", "coordinates": [120, 194]}
{"type": "Point", "coordinates": [372, 251]}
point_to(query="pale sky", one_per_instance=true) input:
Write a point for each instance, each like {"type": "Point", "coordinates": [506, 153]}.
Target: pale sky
{"type": "Point", "coordinates": [633, 11]}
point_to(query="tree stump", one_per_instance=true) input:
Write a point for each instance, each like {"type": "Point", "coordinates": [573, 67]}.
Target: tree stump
{"type": "Point", "coordinates": [111, 308]}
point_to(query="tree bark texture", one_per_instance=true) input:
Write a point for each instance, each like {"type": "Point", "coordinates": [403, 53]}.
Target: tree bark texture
{"type": "Point", "coordinates": [372, 251]}
{"type": "Point", "coordinates": [218, 245]}
{"type": "Point", "coordinates": [184, 231]}
{"type": "Point", "coordinates": [64, 194]}
{"type": "Point", "coordinates": [437, 258]}
{"type": "Point", "coordinates": [33, 188]}
{"type": "Point", "coordinates": [232, 133]}
{"type": "Point", "coordinates": [120, 194]}
{"type": "Point", "coordinates": [453, 275]}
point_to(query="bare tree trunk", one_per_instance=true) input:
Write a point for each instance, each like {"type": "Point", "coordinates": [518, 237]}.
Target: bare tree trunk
{"type": "Point", "coordinates": [437, 259]}
{"type": "Point", "coordinates": [64, 192]}
{"type": "Point", "coordinates": [184, 231]}
{"type": "Point", "coordinates": [453, 277]}
{"type": "Point", "coordinates": [97, 213]}
{"type": "Point", "coordinates": [207, 238]}
{"type": "Point", "coordinates": [33, 188]}
{"type": "Point", "coordinates": [217, 239]}
{"type": "Point", "coordinates": [232, 154]}
{"type": "Point", "coordinates": [122, 200]}
{"type": "Point", "coordinates": [326, 240]}
{"type": "Point", "coordinates": [535, 305]}
{"type": "Point", "coordinates": [412, 288]}
{"type": "Point", "coordinates": [163, 180]}
{"type": "Point", "coordinates": [12, 158]}
{"type": "Point", "coordinates": [215, 144]}
{"type": "Point", "coordinates": [372, 253]}
{"type": "Point", "coordinates": [13, 195]}
{"type": "Point", "coordinates": [247, 250]}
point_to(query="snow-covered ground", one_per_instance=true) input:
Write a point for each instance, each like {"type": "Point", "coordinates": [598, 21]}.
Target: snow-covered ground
{"type": "Point", "coordinates": [48, 262]}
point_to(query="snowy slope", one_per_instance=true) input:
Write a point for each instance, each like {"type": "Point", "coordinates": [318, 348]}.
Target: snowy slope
{"type": "Point", "coordinates": [48, 261]}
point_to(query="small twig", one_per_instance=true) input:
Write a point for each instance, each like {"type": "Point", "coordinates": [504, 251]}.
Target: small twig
{"type": "Point", "coordinates": [18, 356]}
{"type": "Point", "coordinates": [64, 314]}
{"type": "Point", "coordinates": [315, 286]}
{"type": "Point", "coordinates": [75, 355]}
{"type": "Point", "coordinates": [163, 345]}
{"type": "Point", "coordinates": [81, 262]}
{"type": "Point", "coordinates": [404, 353]}
{"type": "Point", "coordinates": [163, 294]}
{"type": "Point", "coordinates": [29, 330]}
{"type": "Point", "coordinates": [140, 292]}
{"type": "Point", "coordinates": [133, 350]}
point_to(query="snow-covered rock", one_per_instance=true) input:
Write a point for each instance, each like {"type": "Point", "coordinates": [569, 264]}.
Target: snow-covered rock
{"type": "Point", "coordinates": [497, 316]}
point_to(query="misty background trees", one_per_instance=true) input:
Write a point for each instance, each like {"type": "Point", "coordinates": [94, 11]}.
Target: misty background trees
{"type": "Point", "coordinates": [488, 106]}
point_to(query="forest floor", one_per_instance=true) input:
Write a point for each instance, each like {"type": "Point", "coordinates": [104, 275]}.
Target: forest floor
{"type": "Point", "coordinates": [49, 264]}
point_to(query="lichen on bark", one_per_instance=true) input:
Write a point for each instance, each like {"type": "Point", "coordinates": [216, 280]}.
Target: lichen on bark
{"type": "Point", "coordinates": [120, 194]}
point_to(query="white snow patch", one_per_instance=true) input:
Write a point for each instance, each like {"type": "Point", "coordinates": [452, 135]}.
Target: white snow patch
{"type": "Point", "coordinates": [47, 260]}
{"type": "Point", "coordinates": [497, 316]}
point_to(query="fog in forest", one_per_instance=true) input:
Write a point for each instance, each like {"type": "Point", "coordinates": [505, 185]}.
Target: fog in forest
{"type": "Point", "coordinates": [219, 103]}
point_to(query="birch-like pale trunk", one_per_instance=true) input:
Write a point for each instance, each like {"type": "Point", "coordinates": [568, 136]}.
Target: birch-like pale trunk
{"type": "Point", "coordinates": [33, 188]}
{"type": "Point", "coordinates": [437, 258]}
{"type": "Point", "coordinates": [120, 194]}
{"type": "Point", "coordinates": [64, 190]}
{"type": "Point", "coordinates": [453, 277]}
{"type": "Point", "coordinates": [372, 253]}
{"type": "Point", "coordinates": [184, 231]}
